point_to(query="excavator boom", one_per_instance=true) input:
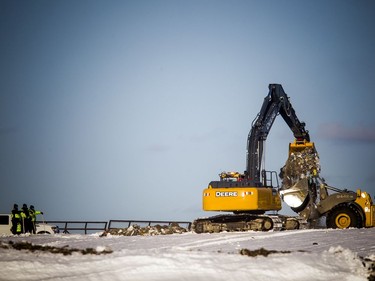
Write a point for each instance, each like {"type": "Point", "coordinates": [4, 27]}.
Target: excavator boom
{"type": "Point", "coordinates": [275, 103]}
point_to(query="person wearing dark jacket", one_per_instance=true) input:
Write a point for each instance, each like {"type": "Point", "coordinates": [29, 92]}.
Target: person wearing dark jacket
{"type": "Point", "coordinates": [26, 220]}
{"type": "Point", "coordinates": [16, 220]}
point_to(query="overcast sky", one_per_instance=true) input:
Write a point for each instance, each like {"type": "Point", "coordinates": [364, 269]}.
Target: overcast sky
{"type": "Point", "coordinates": [128, 109]}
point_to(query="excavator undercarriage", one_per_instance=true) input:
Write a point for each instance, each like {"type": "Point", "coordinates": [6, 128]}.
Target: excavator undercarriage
{"type": "Point", "coordinates": [245, 222]}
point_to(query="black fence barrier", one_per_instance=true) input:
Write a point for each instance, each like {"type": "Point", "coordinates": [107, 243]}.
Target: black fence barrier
{"type": "Point", "coordinates": [116, 224]}
{"type": "Point", "coordinates": [86, 226]}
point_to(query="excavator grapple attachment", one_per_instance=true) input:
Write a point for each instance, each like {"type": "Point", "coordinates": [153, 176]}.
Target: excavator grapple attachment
{"type": "Point", "coordinates": [296, 190]}
{"type": "Point", "coordinates": [303, 162]}
{"type": "Point", "coordinates": [298, 146]}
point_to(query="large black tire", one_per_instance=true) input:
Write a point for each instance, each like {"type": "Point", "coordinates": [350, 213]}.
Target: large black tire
{"type": "Point", "coordinates": [344, 216]}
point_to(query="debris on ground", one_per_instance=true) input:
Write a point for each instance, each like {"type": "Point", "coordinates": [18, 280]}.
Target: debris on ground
{"type": "Point", "coordinates": [65, 250]}
{"type": "Point", "coordinates": [149, 230]}
{"type": "Point", "coordinates": [261, 252]}
{"type": "Point", "coordinates": [369, 263]}
{"type": "Point", "coordinates": [299, 165]}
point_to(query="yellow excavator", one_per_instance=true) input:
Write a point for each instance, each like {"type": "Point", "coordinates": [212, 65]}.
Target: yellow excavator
{"type": "Point", "coordinates": [249, 195]}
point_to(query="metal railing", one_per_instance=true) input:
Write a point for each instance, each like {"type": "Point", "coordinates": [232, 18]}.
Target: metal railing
{"type": "Point", "coordinates": [67, 226]}
{"type": "Point", "coordinates": [121, 223]}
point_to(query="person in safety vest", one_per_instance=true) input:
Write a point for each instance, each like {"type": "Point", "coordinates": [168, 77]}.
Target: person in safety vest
{"type": "Point", "coordinates": [33, 214]}
{"type": "Point", "coordinates": [26, 220]}
{"type": "Point", "coordinates": [16, 220]}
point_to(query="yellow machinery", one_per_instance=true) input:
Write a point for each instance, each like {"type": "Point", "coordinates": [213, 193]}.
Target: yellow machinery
{"type": "Point", "coordinates": [251, 194]}
{"type": "Point", "coordinates": [300, 146]}
{"type": "Point", "coordinates": [365, 202]}
{"type": "Point", "coordinates": [240, 199]}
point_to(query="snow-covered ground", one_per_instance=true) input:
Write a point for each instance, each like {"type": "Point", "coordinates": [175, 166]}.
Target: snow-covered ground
{"type": "Point", "coordinates": [319, 254]}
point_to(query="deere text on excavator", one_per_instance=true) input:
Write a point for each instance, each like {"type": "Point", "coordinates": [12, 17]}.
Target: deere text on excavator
{"type": "Point", "coordinates": [251, 194]}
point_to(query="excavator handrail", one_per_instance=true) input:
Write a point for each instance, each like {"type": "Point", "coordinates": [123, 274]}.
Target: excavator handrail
{"type": "Point", "coordinates": [338, 189]}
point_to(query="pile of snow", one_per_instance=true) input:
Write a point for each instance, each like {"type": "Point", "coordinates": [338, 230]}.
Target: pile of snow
{"type": "Point", "coordinates": [287, 255]}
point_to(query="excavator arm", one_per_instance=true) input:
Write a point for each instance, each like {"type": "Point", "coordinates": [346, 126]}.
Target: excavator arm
{"type": "Point", "coordinates": [275, 103]}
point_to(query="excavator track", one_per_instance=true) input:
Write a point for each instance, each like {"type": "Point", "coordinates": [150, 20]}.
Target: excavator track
{"type": "Point", "coordinates": [245, 222]}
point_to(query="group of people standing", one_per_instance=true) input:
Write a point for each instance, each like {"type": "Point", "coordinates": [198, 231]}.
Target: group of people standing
{"type": "Point", "coordinates": [23, 221]}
